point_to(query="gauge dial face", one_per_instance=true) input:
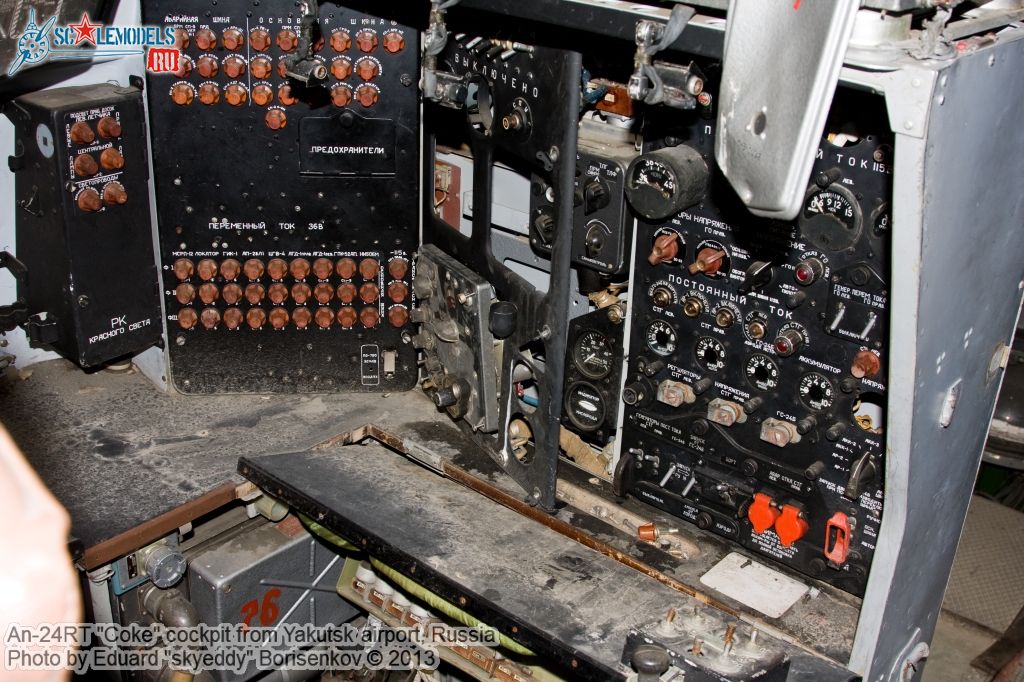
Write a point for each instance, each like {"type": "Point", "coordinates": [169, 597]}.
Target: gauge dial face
{"type": "Point", "coordinates": [762, 372]}
{"type": "Point", "coordinates": [656, 175]}
{"type": "Point", "coordinates": [710, 353]}
{"type": "Point", "coordinates": [816, 391]}
{"type": "Point", "coordinates": [585, 406]}
{"type": "Point", "coordinates": [832, 203]}
{"type": "Point", "coordinates": [661, 337]}
{"type": "Point", "coordinates": [831, 218]}
{"type": "Point", "coordinates": [593, 355]}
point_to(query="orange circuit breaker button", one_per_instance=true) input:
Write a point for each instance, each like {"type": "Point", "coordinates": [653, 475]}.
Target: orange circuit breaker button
{"type": "Point", "coordinates": [259, 39]}
{"type": "Point", "coordinates": [790, 526]}
{"type": "Point", "coordinates": [837, 538]}
{"type": "Point", "coordinates": [341, 40]}
{"type": "Point", "coordinates": [761, 513]}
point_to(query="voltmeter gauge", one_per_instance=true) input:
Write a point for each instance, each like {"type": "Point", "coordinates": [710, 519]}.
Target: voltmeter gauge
{"type": "Point", "coordinates": [585, 406]}
{"type": "Point", "coordinates": [762, 372]}
{"type": "Point", "coordinates": [831, 217]}
{"type": "Point", "coordinates": [710, 353]}
{"type": "Point", "coordinates": [816, 391]}
{"type": "Point", "coordinates": [593, 355]}
{"type": "Point", "coordinates": [661, 337]}
{"type": "Point", "coordinates": [662, 183]}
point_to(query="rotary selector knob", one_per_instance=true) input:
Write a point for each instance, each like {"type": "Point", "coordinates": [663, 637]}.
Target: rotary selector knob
{"type": "Point", "coordinates": [164, 566]}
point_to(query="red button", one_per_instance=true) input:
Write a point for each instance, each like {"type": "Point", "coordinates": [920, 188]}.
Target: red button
{"type": "Point", "coordinates": [761, 513]}
{"type": "Point", "coordinates": [837, 538]}
{"type": "Point", "coordinates": [790, 527]}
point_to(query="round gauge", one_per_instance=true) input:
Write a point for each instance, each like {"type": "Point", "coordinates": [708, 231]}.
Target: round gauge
{"type": "Point", "coordinates": [710, 353]}
{"type": "Point", "coordinates": [881, 219]}
{"type": "Point", "coordinates": [593, 355]}
{"type": "Point", "coordinates": [662, 183]}
{"type": "Point", "coordinates": [661, 337]}
{"type": "Point", "coordinates": [816, 391]}
{"type": "Point", "coordinates": [831, 218]}
{"type": "Point", "coordinates": [762, 372]}
{"type": "Point", "coordinates": [585, 406]}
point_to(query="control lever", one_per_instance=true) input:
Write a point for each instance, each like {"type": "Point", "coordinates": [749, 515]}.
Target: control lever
{"type": "Point", "coordinates": [302, 66]}
{"type": "Point", "coordinates": [862, 472]}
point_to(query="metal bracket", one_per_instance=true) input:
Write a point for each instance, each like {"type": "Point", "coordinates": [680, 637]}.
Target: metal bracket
{"type": "Point", "coordinates": [14, 315]}
{"type": "Point", "coordinates": [648, 82]}
{"type": "Point", "coordinates": [303, 66]}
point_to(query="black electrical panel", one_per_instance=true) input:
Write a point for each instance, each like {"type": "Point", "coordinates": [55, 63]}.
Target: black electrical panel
{"type": "Point", "coordinates": [593, 371]}
{"type": "Point", "coordinates": [83, 222]}
{"type": "Point", "coordinates": [287, 227]}
{"type": "Point", "coordinates": [756, 388]}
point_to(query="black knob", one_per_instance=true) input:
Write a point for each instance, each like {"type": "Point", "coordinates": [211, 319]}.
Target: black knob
{"type": "Point", "coordinates": [702, 385]}
{"type": "Point", "coordinates": [638, 393]}
{"type": "Point", "coordinates": [595, 239]}
{"type": "Point", "coordinates": [753, 404]}
{"type": "Point", "coordinates": [446, 396]}
{"type": "Point", "coordinates": [699, 427]}
{"type": "Point", "coordinates": [757, 275]}
{"type": "Point", "coordinates": [795, 300]}
{"type": "Point", "coordinates": [749, 467]}
{"type": "Point", "coordinates": [653, 367]}
{"type": "Point", "coordinates": [835, 431]}
{"type": "Point", "coordinates": [806, 425]}
{"type": "Point", "coordinates": [704, 520]}
{"type": "Point", "coordinates": [650, 662]}
{"type": "Point", "coordinates": [849, 385]}
{"type": "Point", "coordinates": [502, 319]}
{"type": "Point", "coordinates": [544, 224]}
{"type": "Point", "coordinates": [595, 196]}
{"type": "Point", "coordinates": [815, 470]}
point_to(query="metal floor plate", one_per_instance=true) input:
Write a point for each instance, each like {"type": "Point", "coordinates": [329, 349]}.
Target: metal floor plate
{"type": "Point", "coordinates": [987, 583]}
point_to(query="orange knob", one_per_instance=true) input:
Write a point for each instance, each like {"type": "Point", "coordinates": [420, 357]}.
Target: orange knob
{"type": "Point", "coordinates": [277, 293]}
{"type": "Point", "coordinates": [108, 127]}
{"type": "Point", "coordinates": [262, 95]}
{"type": "Point", "coordinates": [233, 318]}
{"type": "Point", "coordinates": [279, 318]}
{"type": "Point", "coordinates": [114, 194]}
{"type": "Point", "coordinates": [302, 317]}
{"type": "Point", "coordinates": [255, 317]}
{"type": "Point", "coordinates": [259, 40]}
{"type": "Point", "coordinates": [277, 268]}
{"type": "Point", "coordinates": [369, 317]}
{"type": "Point", "coordinates": [234, 66]}
{"type": "Point", "coordinates": [233, 39]}
{"type": "Point", "coordinates": [208, 293]}
{"type": "Point", "coordinates": [790, 526]}
{"type": "Point", "coordinates": [299, 268]}
{"type": "Point", "coordinates": [231, 294]}
{"type": "Point", "coordinates": [81, 133]}
{"type": "Point", "coordinates": [285, 96]}
{"type": "Point", "coordinates": [254, 293]}
{"type": "Point", "coordinates": [761, 513]}
{"type": "Point", "coordinates": [369, 292]}
{"type": "Point", "coordinates": [665, 248]}
{"type": "Point", "coordinates": [709, 261]}
{"type": "Point", "coordinates": [209, 93]}
{"type": "Point", "coordinates": [347, 317]}
{"type": "Point", "coordinates": [322, 268]}
{"type": "Point", "coordinates": [341, 95]}
{"type": "Point", "coordinates": [230, 268]}
{"type": "Point", "coordinates": [323, 293]}
{"type": "Point", "coordinates": [394, 42]}
{"type": "Point", "coordinates": [210, 317]}
{"type": "Point", "coordinates": [865, 364]}
{"type": "Point", "coordinates": [366, 40]}
{"type": "Point", "coordinates": [275, 119]}
{"type": "Point", "coordinates": [287, 40]}
{"type": "Point", "coordinates": [341, 41]}
{"type": "Point", "coordinates": [187, 318]}
{"type": "Point", "coordinates": [397, 267]}
{"type": "Point", "coordinates": [89, 200]}
{"type": "Point", "coordinates": [184, 66]}
{"type": "Point", "coordinates": [207, 66]}
{"type": "Point", "coordinates": [183, 268]}
{"type": "Point", "coordinates": [397, 291]}
{"type": "Point", "coordinates": [398, 316]}
{"type": "Point", "coordinates": [368, 268]}
{"type": "Point", "coordinates": [207, 269]}
{"type": "Point", "coordinates": [346, 268]}
{"type": "Point", "coordinates": [367, 69]}
{"type": "Point", "coordinates": [253, 268]}
{"type": "Point", "coordinates": [260, 67]}
{"type": "Point", "coordinates": [111, 159]}
{"type": "Point", "coordinates": [181, 38]}
{"type": "Point", "coordinates": [324, 317]}
{"type": "Point", "coordinates": [301, 292]}
{"type": "Point", "coordinates": [341, 68]}
{"type": "Point", "coordinates": [182, 94]}
{"type": "Point", "coordinates": [282, 68]}
{"type": "Point", "coordinates": [367, 95]}
{"type": "Point", "coordinates": [185, 293]}
{"type": "Point", "coordinates": [85, 165]}
{"type": "Point", "coordinates": [205, 39]}
{"type": "Point", "coordinates": [235, 94]}
{"type": "Point", "coordinates": [347, 293]}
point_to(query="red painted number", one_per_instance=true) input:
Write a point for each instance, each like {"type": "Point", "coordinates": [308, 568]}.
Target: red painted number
{"type": "Point", "coordinates": [268, 611]}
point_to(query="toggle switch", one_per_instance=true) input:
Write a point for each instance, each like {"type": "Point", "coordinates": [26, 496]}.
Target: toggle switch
{"type": "Point", "coordinates": [761, 513]}
{"type": "Point", "coordinates": [837, 538]}
{"type": "Point", "coordinates": [791, 525]}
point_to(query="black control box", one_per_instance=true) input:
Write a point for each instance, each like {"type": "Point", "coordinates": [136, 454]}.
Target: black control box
{"type": "Point", "coordinates": [83, 221]}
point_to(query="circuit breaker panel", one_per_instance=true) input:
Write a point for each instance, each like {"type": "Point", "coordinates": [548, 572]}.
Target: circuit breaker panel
{"type": "Point", "coordinates": [286, 231]}
{"type": "Point", "coordinates": [755, 395]}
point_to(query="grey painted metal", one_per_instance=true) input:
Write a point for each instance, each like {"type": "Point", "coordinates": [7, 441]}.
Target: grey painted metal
{"type": "Point", "coordinates": [956, 287]}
